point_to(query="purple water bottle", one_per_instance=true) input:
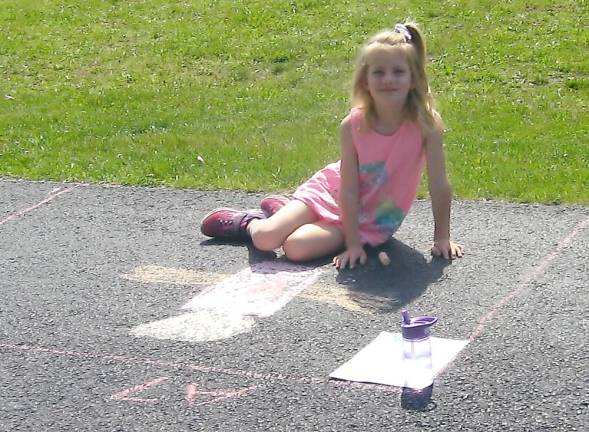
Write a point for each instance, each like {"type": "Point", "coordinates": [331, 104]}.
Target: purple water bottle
{"type": "Point", "coordinates": [417, 350]}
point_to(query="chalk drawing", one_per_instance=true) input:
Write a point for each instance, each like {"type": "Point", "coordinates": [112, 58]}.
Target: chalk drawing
{"type": "Point", "coordinates": [50, 196]}
{"type": "Point", "coordinates": [322, 291]}
{"type": "Point", "coordinates": [172, 275]}
{"type": "Point", "coordinates": [340, 295]}
{"type": "Point", "coordinates": [259, 290]}
{"type": "Point", "coordinates": [125, 394]}
{"type": "Point", "coordinates": [193, 394]}
{"type": "Point", "coordinates": [182, 366]}
{"type": "Point", "coordinates": [227, 308]}
{"type": "Point", "coordinates": [530, 275]}
{"type": "Point", "coordinates": [206, 325]}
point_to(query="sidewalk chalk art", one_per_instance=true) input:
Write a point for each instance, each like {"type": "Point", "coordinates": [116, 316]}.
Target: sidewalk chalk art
{"type": "Point", "coordinates": [322, 291]}
{"type": "Point", "coordinates": [228, 308]}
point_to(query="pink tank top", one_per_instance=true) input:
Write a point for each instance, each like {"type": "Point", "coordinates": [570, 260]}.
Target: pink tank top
{"type": "Point", "coordinates": [390, 170]}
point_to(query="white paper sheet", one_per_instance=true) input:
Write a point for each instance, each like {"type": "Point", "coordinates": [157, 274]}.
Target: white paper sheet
{"type": "Point", "coordinates": [381, 361]}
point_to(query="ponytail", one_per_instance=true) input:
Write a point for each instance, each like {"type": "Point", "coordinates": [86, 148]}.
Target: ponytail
{"type": "Point", "coordinates": [421, 99]}
{"type": "Point", "coordinates": [418, 42]}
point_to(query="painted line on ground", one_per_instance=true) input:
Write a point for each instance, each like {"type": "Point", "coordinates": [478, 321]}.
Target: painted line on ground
{"type": "Point", "coordinates": [50, 196]}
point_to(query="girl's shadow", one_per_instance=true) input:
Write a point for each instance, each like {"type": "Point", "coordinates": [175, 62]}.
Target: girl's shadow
{"type": "Point", "coordinates": [393, 286]}
{"type": "Point", "coordinates": [371, 286]}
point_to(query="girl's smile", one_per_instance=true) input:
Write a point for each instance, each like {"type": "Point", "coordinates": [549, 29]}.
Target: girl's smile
{"type": "Point", "coordinates": [388, 78]}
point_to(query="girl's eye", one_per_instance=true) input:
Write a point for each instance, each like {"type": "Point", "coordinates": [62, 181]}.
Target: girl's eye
{"type": "Point", "coordinates": [377, 72]}
{"type": "Point", "coordinates": [399, 71]}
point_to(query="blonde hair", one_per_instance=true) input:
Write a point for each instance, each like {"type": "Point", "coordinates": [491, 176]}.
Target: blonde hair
{"type": "Point", "coordinates": [420, 105]}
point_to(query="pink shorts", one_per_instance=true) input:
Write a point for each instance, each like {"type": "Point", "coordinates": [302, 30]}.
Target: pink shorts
{"type": "Point", "coordinates": [320, 193]}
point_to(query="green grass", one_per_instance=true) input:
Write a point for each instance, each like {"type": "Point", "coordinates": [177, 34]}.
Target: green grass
{"type": "Point", "coordinates": [133, 92]}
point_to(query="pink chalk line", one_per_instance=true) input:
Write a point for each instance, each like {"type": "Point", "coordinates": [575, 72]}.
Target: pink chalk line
{"type": "Point", "coordinates": [528, 277]}
{"type": "Point", "coordinates": [124, 395]}
{"type": "Point", "coordinates": [192, 393]}
{"type": "Point", "coordinates": [269, 377]}
{"type": "Point", "coordinates": [50, 196]}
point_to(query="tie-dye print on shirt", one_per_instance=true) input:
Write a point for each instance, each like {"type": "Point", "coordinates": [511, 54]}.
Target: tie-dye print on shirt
{"type": "Point", "coordinates": [388, 218]}
{"type": "Point", "coordinates": [372, 176]}
{"type": "Point", "coordinates": [386, 215]}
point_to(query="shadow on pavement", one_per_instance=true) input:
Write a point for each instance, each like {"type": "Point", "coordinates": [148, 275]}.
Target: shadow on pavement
{"type": "Point", "coordinates": [256, 256]}
{"type": "Point", "coordinates": [418, 400]}
{"type": "Point", "coordinates": [371, 286]}
{"type": "Point", "coordinates": [404, 279]}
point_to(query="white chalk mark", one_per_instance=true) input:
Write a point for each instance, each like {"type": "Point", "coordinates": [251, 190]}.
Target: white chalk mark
{"type": "Point", "coordinates": [227, 308]}
{"type": "Point", "coordinates": [193, 393]}
{"type": "Point", "coordinates": [208, 325]}
{"type": "Point", "coordinates": [259, 290]}
{"type": "Point", "coordinates": [321, 291]}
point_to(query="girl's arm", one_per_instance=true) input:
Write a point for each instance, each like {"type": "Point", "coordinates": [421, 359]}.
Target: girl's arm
{"type": "Point", "coordinates": [348, 200]}
{"type": "Point", "coordinates": [441, 195]}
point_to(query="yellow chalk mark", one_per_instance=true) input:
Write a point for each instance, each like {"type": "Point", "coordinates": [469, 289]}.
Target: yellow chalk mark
{"type": "Point", "coordinates": [322, 291]}
{"type": "Point", "coordinates": [171, 275]}
{"type": "Point", "coordinates": [341, 296]}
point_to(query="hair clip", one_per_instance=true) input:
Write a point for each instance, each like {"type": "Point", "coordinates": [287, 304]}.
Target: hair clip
{"type": "Point", "coordinates": [401, 28]}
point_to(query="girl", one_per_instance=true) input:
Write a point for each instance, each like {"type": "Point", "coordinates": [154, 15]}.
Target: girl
{"type": "Point", "coordinates": [391, 133]}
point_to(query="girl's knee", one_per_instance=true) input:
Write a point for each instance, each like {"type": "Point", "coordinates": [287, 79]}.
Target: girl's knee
{"type": "Point", "coordinates": [312, 241]}
{"type": "Point", "coordinates": [296, 250]}
{"type": "Point", "coordinates": [266, 239]}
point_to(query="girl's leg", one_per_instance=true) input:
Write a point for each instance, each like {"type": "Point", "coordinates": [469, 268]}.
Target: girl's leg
{"type": "Point", "coordinates": [269, 234]}
{"type": "Point", "coordinates": [313, 240]}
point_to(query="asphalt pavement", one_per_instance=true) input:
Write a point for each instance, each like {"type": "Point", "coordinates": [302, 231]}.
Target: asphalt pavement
{"type": "Point", "coordinates": [70, 361]}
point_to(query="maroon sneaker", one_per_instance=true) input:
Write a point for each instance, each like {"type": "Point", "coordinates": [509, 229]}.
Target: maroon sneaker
{"type": "Point", "coordinates": [271, 204]}
{"type": "Point", "coordinates": [230, 224]}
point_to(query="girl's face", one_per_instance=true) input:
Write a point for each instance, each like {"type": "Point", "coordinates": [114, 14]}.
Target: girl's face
{"type": "Point", "coordinates": [388, 78]}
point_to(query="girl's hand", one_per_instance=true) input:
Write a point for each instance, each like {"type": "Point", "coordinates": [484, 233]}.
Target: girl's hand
{"type": "Point", "coordinates": [447, 249]}
{"type": "Point", "coordinates": [350, 257]}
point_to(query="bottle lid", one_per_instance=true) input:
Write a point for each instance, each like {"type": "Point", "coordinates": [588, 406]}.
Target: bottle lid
{"type": "Point", "coordinates": [416, 328]}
